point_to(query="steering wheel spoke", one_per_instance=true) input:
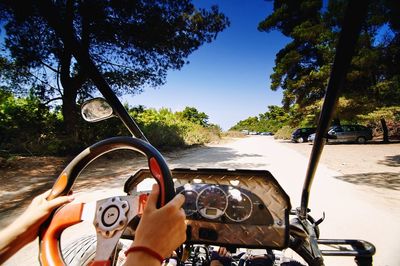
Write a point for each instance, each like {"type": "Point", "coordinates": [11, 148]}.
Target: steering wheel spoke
{"type": "Point", "coordinates": [112, 215]}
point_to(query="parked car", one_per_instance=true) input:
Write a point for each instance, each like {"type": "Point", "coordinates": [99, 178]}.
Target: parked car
{"type": "Point", "coordinates": [349, 133]}
{"type": "Point", "coordinates": [311, 137]}
{"type": "Point", "coordinates": [301, 134]}
{"type": "Point", "coordinates": [346, 133]}
{"type": "Point", "coordinates": [266, 133]}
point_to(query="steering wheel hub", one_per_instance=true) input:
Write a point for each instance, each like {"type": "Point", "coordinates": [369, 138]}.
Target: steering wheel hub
{"type": "Point", "coordinates": [111, 216]}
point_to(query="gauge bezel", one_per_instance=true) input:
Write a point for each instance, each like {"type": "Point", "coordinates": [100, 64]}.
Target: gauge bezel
{"type": "Point", "coordinates": [211, 217]}
{"type": "Point", "coordinates": [194, 210]}
{"type": "Point", "coordinates": [249, 214]}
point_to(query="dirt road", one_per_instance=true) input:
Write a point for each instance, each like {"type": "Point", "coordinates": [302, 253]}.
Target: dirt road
{"type": "Point", "coordinates": [354, 207]}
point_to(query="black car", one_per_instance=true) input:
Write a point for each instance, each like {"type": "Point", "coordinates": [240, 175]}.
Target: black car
{"type": "Point", "coordinates": [301, 134]}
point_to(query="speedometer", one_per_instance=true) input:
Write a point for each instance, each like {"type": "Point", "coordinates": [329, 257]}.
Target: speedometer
{"type": "Point", "coordinates": [211, 202]}
{"type": "Point", "coordinates": [239, 207]}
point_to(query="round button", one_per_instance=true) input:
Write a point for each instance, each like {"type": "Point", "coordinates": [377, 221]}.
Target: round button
{"type": "Point", "coordinates": [110, 215]}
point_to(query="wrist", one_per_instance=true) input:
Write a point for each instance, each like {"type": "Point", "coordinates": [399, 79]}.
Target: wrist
{"type": "Point", "coordinates": [142, 258]}
{"type": "Point", "coordinates": [141, 253]}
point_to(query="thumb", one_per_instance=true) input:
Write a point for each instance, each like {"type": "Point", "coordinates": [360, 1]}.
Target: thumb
{"type": "Point", "coordinates": [153, 197]}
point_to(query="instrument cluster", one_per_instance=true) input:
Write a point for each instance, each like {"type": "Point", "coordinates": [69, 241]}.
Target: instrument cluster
{"type": "Point", "coordinates": [223, 203]}
{"type": "Point", "coordinates": [227, 207]}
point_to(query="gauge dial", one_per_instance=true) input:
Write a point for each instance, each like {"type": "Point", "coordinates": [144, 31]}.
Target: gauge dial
{"type": "Point", "coordinates": [239, 207]}
{"type": "Point", "coordinates": [211, 202]}
{"type": "Point", "coordinates": [190, 202]}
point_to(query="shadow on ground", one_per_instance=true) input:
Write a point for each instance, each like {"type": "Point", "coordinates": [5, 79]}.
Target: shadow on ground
{"type": "Point", "coordinates": [393, 161]}
{"type": "Point", "coordinates": [379, 180]}
{"type": "Point", "coordinates": [211, 157]}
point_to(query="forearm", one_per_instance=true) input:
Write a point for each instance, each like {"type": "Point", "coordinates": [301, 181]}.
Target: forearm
{"type": "Point", "coordinates": [13, 238]}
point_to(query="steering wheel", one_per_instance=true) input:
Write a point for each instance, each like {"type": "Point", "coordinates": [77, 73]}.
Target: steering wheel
{"type": "Point", "coordinates": [110, 216]}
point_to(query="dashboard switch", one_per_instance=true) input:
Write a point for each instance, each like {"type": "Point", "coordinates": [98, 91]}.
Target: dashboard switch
{"type": "Point", "coordinates": [208, 234]}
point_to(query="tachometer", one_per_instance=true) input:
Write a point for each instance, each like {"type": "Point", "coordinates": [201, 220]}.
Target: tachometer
{"type": "Point", "coordinates": [190, 202]}
{"type": "Point", "coordinates": [211, 202]}
{"type": "Point", "coordinates": [239, 207]}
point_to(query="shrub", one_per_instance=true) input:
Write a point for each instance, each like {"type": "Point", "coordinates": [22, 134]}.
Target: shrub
{"type": "Point", "coordinates": [284, 133]}
{"type": "Point", "coordinates": [391, 116]}
{"type": "Point", "coordinates": [28, 127]}
{"type": "Point", "coordinates": [233, 134]}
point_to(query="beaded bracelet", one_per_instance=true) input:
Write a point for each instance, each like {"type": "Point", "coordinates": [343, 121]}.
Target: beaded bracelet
{"type": "Point", "coordinates": [146, 250]}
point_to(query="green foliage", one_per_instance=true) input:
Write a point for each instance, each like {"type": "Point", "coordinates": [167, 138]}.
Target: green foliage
{"type": "Point", "coordinates": [25, 124]}
{"type": "Point", "coordinates": [271, 121]}
{"type": "Point", "coordinates": [133, 43]}
{"type": "Point", "coordinates": [251, 124]}
{"type": "Point", "coordinates": [303, 66]}
{"type": "Point", "coordinates": [284, 133]}
{"type": "Point", "coordinates": [29, 128]}
{"type": "Point", "coordinates": [164, 128]}
{"type": "Point", "coordinates": [391, 116]}
{"type": "Point", "coordinates": [193, 115]}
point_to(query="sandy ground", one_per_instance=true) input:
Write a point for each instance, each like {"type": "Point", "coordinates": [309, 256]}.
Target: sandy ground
{"type": "Point", "coordinates": [357, 186]}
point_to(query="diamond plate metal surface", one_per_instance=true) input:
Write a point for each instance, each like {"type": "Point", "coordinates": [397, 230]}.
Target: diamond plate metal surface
{"type": "Point", "coordinates": [261, 183]}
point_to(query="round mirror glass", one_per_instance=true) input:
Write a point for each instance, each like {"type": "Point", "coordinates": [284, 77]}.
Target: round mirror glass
{"type": "Point", "coordinates": [96, 110]}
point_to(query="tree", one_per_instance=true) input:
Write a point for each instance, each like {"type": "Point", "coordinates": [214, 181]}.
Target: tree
{"type": "Point", "coordinates": [134, 44]}
{"type": "Point", "coordinates": [299, 65]}
{"type": "Point", "coordinates": [193, 115]}
{"type": "Point", "coordinates": [302, 67]}
{"type": "Point", "coordinates": [272, 120]}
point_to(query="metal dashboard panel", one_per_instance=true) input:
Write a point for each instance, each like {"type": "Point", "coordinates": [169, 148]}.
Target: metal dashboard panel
{"type": "Point", "coordinates": [261, 183]}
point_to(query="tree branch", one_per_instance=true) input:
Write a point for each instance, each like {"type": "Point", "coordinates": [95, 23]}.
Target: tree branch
{"type": "Point", "coordinates": [49, 67]}
{"type": "Point", "coordinates": [52, 100]}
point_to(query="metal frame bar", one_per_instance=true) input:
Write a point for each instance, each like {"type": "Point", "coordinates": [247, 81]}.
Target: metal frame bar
{"type": "Point", "coordinates": [354, 17]}
{"type": "Point", "coordinates": [359, 248]}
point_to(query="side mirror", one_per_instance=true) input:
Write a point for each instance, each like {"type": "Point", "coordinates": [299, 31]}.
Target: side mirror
{"type": "Point", "coordinates": [96, 109]}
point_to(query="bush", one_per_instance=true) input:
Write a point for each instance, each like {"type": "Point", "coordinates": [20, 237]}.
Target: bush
{"type": "Point", "coordinates": [233, 134]}
{"type": "Point", "coordinates": [27, 127]}
{"type": "Point", "coordinates": [196, 134]}
{"type": "Point", "coordinates": [164, 128]}
{"type": "Point", "coordinates": [391, 116]}
{"type": "Point", "coordinates": [284, 133]}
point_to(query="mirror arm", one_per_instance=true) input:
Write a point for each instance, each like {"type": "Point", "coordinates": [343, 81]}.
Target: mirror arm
{"type": "Point", "coordinates": [53, 17]}
{"type": "Point", "coordinates": [355, 15]}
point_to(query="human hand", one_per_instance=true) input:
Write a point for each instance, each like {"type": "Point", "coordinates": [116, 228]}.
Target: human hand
{"type": "Point", "coordinates": [221, 258]}
{"type": "Point", "coordinates": [223, 252]}
{"type": "Point", "coordinates": [37, 212]}
{"type": "Point", "coordinates": [164, 229]}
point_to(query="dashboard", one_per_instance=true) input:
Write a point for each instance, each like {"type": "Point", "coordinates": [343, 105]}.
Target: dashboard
{"type": "Point", "coordinates": [237, 208]}
{"type": "Point", "coordinates": [223, 204]}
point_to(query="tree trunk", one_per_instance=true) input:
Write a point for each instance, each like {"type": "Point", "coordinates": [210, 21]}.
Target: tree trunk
{"type": "Point", "coordinates": [385, 131]}
{"type": "Point", "coordinates": [70, 113]}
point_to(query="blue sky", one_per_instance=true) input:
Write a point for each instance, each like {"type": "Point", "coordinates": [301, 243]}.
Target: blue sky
{"type": "Point", "coordinates": [227, 79]}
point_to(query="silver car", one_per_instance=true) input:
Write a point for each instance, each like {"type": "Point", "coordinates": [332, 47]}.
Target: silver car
{"type": "Point", "coordinates": [349, 133]}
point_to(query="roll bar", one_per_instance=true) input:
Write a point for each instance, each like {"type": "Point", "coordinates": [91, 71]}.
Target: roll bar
{"type": "Point", "coordinates": [354, 17]}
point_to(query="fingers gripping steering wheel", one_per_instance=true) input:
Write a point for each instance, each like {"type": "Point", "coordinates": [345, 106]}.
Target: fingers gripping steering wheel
{"type": "Point", "coordinates": [110, 216]}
